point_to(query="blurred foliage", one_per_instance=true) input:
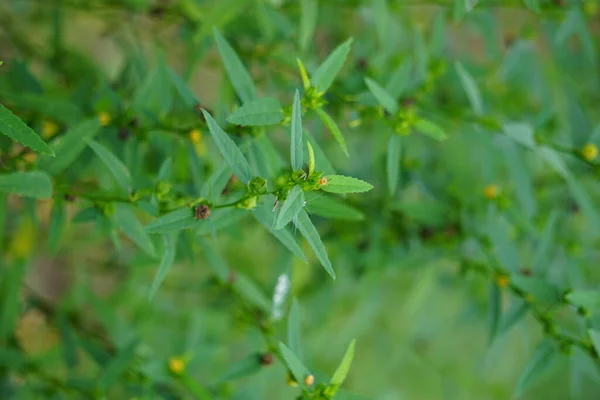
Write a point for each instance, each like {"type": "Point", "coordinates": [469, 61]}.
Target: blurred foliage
{"type": "Point", "coordinates": [156, 243]}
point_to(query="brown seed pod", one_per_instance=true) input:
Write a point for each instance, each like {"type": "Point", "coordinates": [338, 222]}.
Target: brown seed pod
{"type": "Point", "coordinates": [201, 211]}
{"type": "Point", "coordinates": [266, 359]}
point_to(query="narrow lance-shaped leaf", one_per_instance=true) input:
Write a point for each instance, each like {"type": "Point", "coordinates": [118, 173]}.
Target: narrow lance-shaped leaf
{"type": "Point", "coordinates": [70, 146]}
{"type": "Point", "coordinates": [177, 220]}
{"type": "Point", "coordinates": [296, 367]}
{"type": "Point", "coordinates": [33, 184]}
{"type": "Point", "coordinates": [308, 21]}
{"type": "Point", "coordinates": [400, 80]}
{"type": "Point", "coordinates": [342, 370]}
{"type": "Point", "coordinates": [470, 88]}
{"type": "Point", "coordinates": [588, 299]}
{"type": "Point", "coordinates": [266, 218]}
{"type": "Point", "coordinates": [328, 70]}
{"type": "Point", "coordinates": [595, 337]}
{"type": "Point", "coordinates": [430, 129]}
{"type": "Point", "coordinates": [382, 96]}
{"type": "Point", "coordinates": [230, 152]}
{"type": "Point", "coordinates": [293, 330]}
{"type": "Point", "coordinates": [252, 293]}
{"type": "Point", "coordinates": [310, 233]}
{"type": "Point", "coordinates": [292, 205]}
{"type": "Point", "coordinates": [303, 74]}
{"type": "Point", "coordinates": [170, 246]}
{"type": "Point", "coordinates": [259, 112]}
{"type": "Point", "coordinates": [345, 184]}
{"type": "Point", "coordinates": [334, 129]}
{"type": "Point", "coordinates": [125, 219]}
{"type": "Point", "coordinates": [185, 93]}
{"type": "Point", "coordinates": [494, 309]}
{"type": "Point", "coordinates": [215, 261]}
{"type": "Point", "coordinates": [240, 369]}
{"type": "Point", "coordinates": [57, 222]}
{"type": "Point", "coordinates": [14, 128]}
{"type": "Point", "coordinates": [325, 206]}
{"type": "Point", "coordinates": [115, 166]}
{"type": "Point", "coordinates": [238, 74]}
{"type": "Point", "coordinates": [117, 366]}
{"type": "Point", "coordinates": [539, 361]}
{"type": "Point", "coordinates": [394, 152]}
{"type": "Point", "coordinates": [296, 147]}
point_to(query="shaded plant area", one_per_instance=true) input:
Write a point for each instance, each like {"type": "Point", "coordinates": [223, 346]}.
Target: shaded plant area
{"type": "Point", "coordinates": [308, 199]}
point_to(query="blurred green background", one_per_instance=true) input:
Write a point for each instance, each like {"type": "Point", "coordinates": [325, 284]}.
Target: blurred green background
{"type": "Point", "coordinates": [421, 321]}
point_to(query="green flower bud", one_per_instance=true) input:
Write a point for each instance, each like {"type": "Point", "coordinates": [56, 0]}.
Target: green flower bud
{"type": "Point", "coordinates": [257, 185]}
{"type": "Point", "coordinates": [248, 203]}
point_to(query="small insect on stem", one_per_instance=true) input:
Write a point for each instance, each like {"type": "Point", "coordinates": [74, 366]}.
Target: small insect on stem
{"type": "Point", "coordinates": [201, 211]}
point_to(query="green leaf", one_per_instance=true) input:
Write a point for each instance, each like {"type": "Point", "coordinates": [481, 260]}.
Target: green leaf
{"type": "Point", "coordinates": [177, 220]}
{"type": "Point", "coordinates": [345, 184]}
{"type": "Point", "coordinates": [292, 205]}
{"type": "Point", "coordinates": [293, 330]}
{"type": "Point", "coordinates": [394, 152]}
{"type": "Point", "coordinates": [155, 95]}
{"type": "Point", "coordinates": [303, 75]}
{"type": "Point", "coordinates": [328, 70]}
{"type": "Point", "coordinates": [381, 21]}
{"type": "Point", "coordinates": [587, 299]}
{"type": "Point", "coordinates": [297, 145]}
{"type": "Point", "coordinates": [494, 310]}
{"type": "Point", "coordinates": [430, 129]}
{"type": "Point", "coordinates": [70, 146]}
{"type": "Point", "coordinates": [230, 152]}
{"type": "Point", "coordinates": [56, 224]}
{"type": "Point", "coordinates": [116, 167]}
{"type": "Point", "coordinates": [595, 337]}
{"type": "Point", "coordinates": [215, 261]}
{"type": "Point", "coordinates": [399, 81]}
{"type": "Point", "coordinates": [533, 5]}
{"type": "Point", "coordinates": [252, 293]}
{"type": "Point", "coordinates": [296, 367]}
{"type": "Point", "coordinates": [461, 7]}
{"type": "Point", "coordinates": [10, 288]}
{"type": "Point", "coordinates": [183, 90]}
{"type": "Point", "coordinates": [342, 370]}
{"type": "Point", "coordinates": [168, 256]}
{"type": "Point", "coordinates": [117, 366]}
{"type": "Point", "coordinates": [259, 112]}
{"type": "Point", "coordinates": [539, 361]}
{"type": "Point", "coordinates": [266, 218]}
{"type": "Point", "coordinates": [243, 368]}
{"type": "Point", "coordinates": [308, 21]}
{"type": "Point", "coordinates": [382, 96]}
{"type": "Point", "coordinates": [68, 341]}
{"type": "Point", "coordinates": [334, 129]}
{"type": "Point", "coordinates": [328, 207]}
{"type": "Point", "coordinates": [238, 74]}
{"type": "Point", "coordinates": [514, 314]}
{"type": "Point", "coordinates": [14, 128]}
{"type": "Point", "coordinates": [308, 230]}
{"type": "Point", "coordinates": [35, 184]}
{"type": "Point", "coordinates": [541, 257]}
{"type": "Point", "coordinates": [542, 292]}
{"type": "Point", "coordinates": [470, 88]}
{"type": "Point", "coordinates": [311, 158]}
{"type": "Point", "coordinates": [124, 218]}
{"type": "Point", "coordinates": [164, 173]}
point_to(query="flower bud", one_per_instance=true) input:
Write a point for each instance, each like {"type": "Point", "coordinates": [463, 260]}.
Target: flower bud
{"type": "Point", "coordinates": [257, 185]}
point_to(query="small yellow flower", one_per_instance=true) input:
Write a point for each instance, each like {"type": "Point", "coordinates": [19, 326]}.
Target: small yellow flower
{"type": "Point", "coordinates": [502, 281]}
{"type": "Point", "coordinates": [491, 192]}
{"type": "Point", "coordinates": [323, 181]}
{"type": "Point", "coordinates": [49, 129]}
{"type": "Point", "coordinates": [176, 365]}
{"type": "Point", "coordinates": [104, 118]}
{"type": "Point", "coordinates": [309, 380]}
{"type": "Point", "coordinates": [196, 138]}
{"type": "Point", "coordinates": [589, 151]}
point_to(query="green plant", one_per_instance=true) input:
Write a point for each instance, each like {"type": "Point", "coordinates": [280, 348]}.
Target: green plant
{"type": "Point", "coordinates": [139, 197]}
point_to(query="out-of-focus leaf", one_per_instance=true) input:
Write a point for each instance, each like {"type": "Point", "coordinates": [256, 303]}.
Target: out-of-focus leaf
{"type": "Point", "coordinates": [308, 21]}
{"type": "Point", "coordinates": [117, 366]}
{"type": "Point", "coordinates": [595, 337]}
{"type": "Point", "coordinates": [540, 360]}
{"type": "Point", "coordinates": [383, 97]}
{"type": "Point", "coordinates": [230, 152]}
{"type": "Point", "coordinates": [334, 129]}
{"type": "Point", "coordinates": [533, 5]}
{"type": "Point", "coordinates": [293, 330]}
{"type": "Point", "coordinates": [544, 247]}
{"type": "Point", "coordinates": [69, 344]}
{"type": "Point", "coordinates": [328, 207]}
{"type": "Point", "coordinates": [494, 309]}
{"type": "Point", "coordinates": [266, 218]}
{"type": "Point", "coordinates": [168, 256]}
{"type": "Point", "coordinates": [125, 218]}
{"type": "Point", "coordinates": [542, 292]}
{"type": "Point", "coordinates": [13, 127]}
{"type": "Point", "coordinates": [68, 147]}
{"type": "Point", "coordinates": [588, 299]}
{"type": "Point", "coordinates": [399, 80]}
{"type": "Point", "coordinates": [252, 293]}
{"type": "Point", "coordinates": [10, 283]}
{"type": "Point", "coordinates": [214, 259]}
{"type": "Point", "coordinates": [430, 129]}
{"type": "Point", "coordinates": [33, 184]}
{"type": "Point", "coordinates": [258, 112]}
{"type": "Point", "coordinates": [177, 220]}
{"type": "Point", "coordinates": [470, 87]}
{"type": "Point", "coordinates": [394, 151]}
{"type": "Point", "coordinates": [238, 74]}
{"type": "Point", "coordinates": [115, 166]}
{"type": "Point", "coordinates": [56, 224]}
{"type": "Point", "coordinates": [328, 70]}
{"type": "Point", "coordinates": [240, 369]}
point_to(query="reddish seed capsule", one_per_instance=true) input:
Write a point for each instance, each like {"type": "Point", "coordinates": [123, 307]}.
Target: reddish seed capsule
{"type": "Point", "coordinates": [69, 197]}
{"type": "Point", "coordinates": [266, 359]}
{"type": "Point", "coordinates": [201, 211]}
